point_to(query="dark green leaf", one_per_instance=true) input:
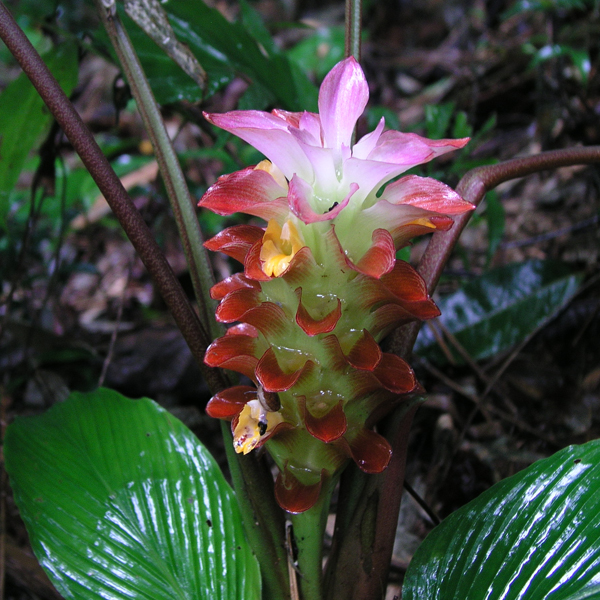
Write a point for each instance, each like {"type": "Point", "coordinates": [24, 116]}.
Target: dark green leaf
{"type": "Point", "coordinates": [169, 83]}
{"type": "Point", "coordinates": [533, 536]}
{"type": "Point", "coordinates": [319, 52]}
{"type": "Point", "coordinates": [461, 127]}
{"type": "Point", "coordinates": [494, 214]}
{"type": "Point", "coordinates": [24, 118]}
{"type": "Point", "coordinates": [502, 307]}
{"type": "Point", "coordinates": [437, 119]}
{"type": "Point", "coordinates": [121, 501]}
{"type": "Point", "coordinates": [253, 23]}
{"type": "Point", "coordinates": [208, 34]}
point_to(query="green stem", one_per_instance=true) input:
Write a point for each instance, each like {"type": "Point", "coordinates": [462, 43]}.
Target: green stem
{"type": "Point", "coordinates": [309, 531]}
{"type": "Point", "coordinates": [174, 180]}
{"type": "Point", "coordinates": [262, 517]}
{"type": "Point", "coordinates": [353, 28]}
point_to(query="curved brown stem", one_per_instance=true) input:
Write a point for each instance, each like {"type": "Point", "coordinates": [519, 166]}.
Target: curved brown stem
{"type": "Point", "coordinates": [473, 187]}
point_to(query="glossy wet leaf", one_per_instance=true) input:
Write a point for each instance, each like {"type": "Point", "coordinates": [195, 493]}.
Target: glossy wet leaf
{"type": "Point", "coordinates": [501, 308]}
{"type": "Point", "coordinates": [224, 50]}
{"type": "Point", "coordinates": [122, 501]}
{"type": "Point", "coordinates": [208, 33]}
{"type": "Point", "coordinates": [24, 118]}
{"type": "Point", "coordinates": [533, 536]}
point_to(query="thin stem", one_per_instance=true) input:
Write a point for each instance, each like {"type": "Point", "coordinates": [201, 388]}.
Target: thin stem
{"type": "Point", "coordinates": [353, 28]}
{"type": "Point", "coordinates": [170, 169]}
{"type": "Point", "coordinates": [309, 531]}
{"type": "Point", "coordinates": [111, 187]}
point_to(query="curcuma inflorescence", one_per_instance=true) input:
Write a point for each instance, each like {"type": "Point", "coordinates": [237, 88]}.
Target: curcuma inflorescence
{"type": "Point", "coordinates": [321, 286]}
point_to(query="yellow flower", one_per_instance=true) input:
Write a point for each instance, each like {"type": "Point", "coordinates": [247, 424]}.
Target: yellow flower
{"type": "Point", "coordinates": [254, 424]}
{"type": "Point", "coordinates": [280, 245]}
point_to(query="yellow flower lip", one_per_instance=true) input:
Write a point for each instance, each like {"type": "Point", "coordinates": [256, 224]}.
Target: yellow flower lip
{"type": "Point", "coordinates": [255, 423]}
{"type": "Point", "coordinates": [274, 171]}
{"type": "Point", "coordinates": [279, 246]}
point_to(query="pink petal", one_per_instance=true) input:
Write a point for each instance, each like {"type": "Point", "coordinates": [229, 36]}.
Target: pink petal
{"type": "Point", "coordinates": [291, 118]}
{"type": "Point", "coordinates": [380, 257]}
{"type": "Point", "coordinates": [269, 134]}
{"type": "Point", "coordinates": [404, 221]}
{"type": "Point", "coordinates": [228, 403]}
{"type": "Point", "coordinates": [299, 194]}
{"type": "Point", "coordinates": [294, 496]}
{"type": "Point", "coordinates": [343, 97]}
{"type": "Point", "coordinates": [328, 427]}
{"type": "Point", "coordinates": [311, 123]}
{"type": "Point", "coordinates": [252, 191]}
{"type": "Point", "coordinates": [426, 193]}
{"type": "Point", "coordinates": [235, 241]}
{"type": "Point", "coordinates": [370, 174]}
{"type": "Point", "coordinates": [323, 161]}
{"type": "Point", "coordinates": [312, 326]}
{"type": "Point", "coordinates": [410, 148]}
{"type": "Point", "coordinates": [368, 142]}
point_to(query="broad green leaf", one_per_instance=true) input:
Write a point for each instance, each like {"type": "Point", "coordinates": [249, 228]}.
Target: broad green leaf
{"type": "Point", "coordinates": [209, 34]}
{"type": "Point", "coordinates": [533, 536]}
{"type": "Point", "coordinates": [501, 308]}
{"type": "Point", "coordinates": [24, 118]}
{"type": "Point", "coordinates": [224, 50]}
{"type": "Point", "coordinates": [121, 501]}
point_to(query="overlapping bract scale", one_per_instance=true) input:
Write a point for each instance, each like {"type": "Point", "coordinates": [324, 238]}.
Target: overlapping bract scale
{"type": "Point", "coordinates": [320, 285]}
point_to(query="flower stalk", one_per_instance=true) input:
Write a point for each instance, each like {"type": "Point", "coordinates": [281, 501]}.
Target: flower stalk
{"type": "Point", "coordinates": [353, 21]}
